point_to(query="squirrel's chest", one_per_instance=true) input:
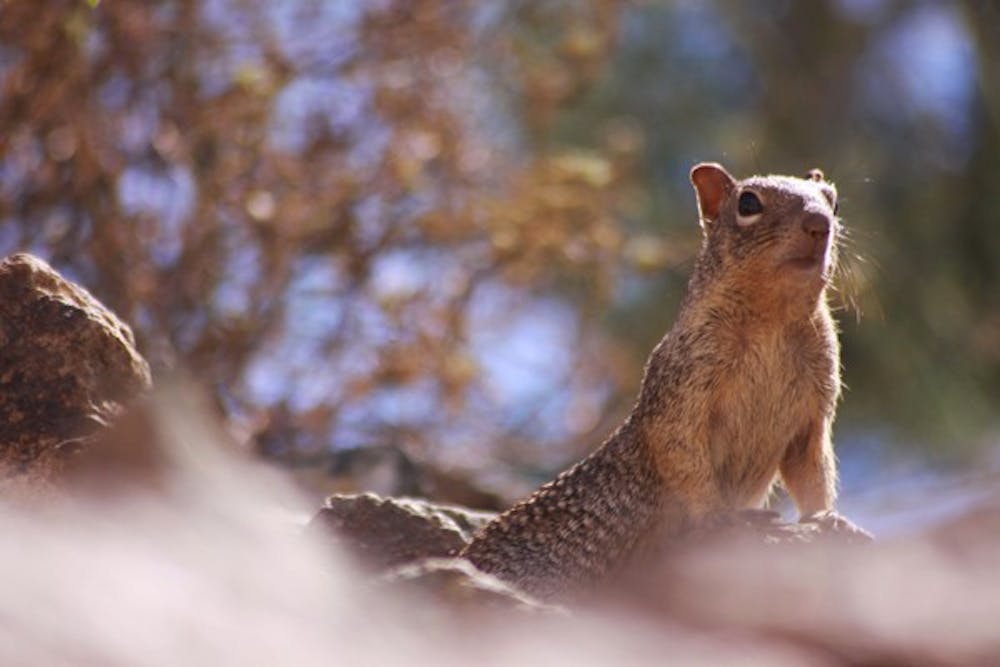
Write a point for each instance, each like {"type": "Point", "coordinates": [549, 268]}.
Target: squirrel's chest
{"type": "Point", "coordinates": [766, 394]}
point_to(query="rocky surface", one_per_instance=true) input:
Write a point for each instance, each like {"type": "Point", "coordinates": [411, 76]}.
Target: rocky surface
{"type": "Point", "coordinates": [68, 367]}
{"type": "Point", "coordinates": [462, 587]}
{"type": "Point", "coordinates": [412, 543]}
{"type": "Point", "coordinates": [386, 532]}
{"type": "Point", "coordinates": [767, 528]}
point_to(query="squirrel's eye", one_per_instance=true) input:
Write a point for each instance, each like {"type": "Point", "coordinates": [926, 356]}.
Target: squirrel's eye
{"type": "Point", "coordinates": [749, 205]}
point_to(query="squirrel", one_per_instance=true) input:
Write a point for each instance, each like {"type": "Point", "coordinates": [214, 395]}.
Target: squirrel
{"type": "Point", "coordinates": [739, 393]}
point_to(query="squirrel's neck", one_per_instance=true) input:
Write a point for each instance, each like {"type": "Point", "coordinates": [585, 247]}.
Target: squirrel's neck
{"type": "Point", "coordinates": [740, 297]}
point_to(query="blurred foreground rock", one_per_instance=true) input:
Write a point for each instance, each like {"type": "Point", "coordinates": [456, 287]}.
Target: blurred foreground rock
{"type": "Point", "coordinates": [457, 583]}
{"type": "Point", "coordinates": [68, 367]}
{"type": "Point", "coordinates": [929, 599]}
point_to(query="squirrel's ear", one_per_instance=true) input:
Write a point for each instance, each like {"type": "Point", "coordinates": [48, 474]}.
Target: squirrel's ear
{"type": "Point", "coordinates": [712, 183]}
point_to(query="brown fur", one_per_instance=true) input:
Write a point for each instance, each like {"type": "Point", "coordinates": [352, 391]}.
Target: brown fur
{"type": "Point", "coordinates": [740, 392]}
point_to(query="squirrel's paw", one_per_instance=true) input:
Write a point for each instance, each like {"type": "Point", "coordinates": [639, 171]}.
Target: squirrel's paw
{"type": "Point", "coordinates": [839, 526]}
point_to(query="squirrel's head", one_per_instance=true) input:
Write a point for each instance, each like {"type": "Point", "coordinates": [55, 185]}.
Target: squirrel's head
{"type": "Point", "coordinates": [781, 230]}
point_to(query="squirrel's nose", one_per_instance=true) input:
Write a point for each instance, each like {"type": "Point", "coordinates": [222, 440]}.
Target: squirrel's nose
{"type": "Point", "coordinates": [816, 225]}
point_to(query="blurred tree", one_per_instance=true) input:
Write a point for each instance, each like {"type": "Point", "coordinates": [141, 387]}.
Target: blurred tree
{"type": "Point", "coordinates": [303, 201]}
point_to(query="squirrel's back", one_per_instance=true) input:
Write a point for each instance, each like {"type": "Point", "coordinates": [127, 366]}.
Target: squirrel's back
{"type": "Point", "coordinates": [579, 527]}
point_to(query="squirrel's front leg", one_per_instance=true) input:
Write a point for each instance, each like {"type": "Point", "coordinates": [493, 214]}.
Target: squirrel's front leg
{"type": "Point", "coordinates": [809, 472]}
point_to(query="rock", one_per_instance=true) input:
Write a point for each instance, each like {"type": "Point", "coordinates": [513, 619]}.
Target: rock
{"type": "Point", "coordinates": [68, 367]}
{"type": "Point", "coordinates": [386, 532]}
{"type": "Point", "coordinates": [457, 583]}
{"type": "Point", "coordinates": [768, 528]}
{"type": "Point", "coordinates": [413, 541]}
{"type": "Point", "coordinates": [923, 599]}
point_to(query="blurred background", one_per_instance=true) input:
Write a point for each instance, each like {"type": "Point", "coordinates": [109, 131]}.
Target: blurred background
{"type": "Point", "coordinates": [424, 246]}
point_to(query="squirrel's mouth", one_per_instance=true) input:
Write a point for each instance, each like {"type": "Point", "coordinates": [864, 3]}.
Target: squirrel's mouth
{"type": "Point", "coordinates": [809, 255]}
{"type": "Point", "coordinates": [807, 262]}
